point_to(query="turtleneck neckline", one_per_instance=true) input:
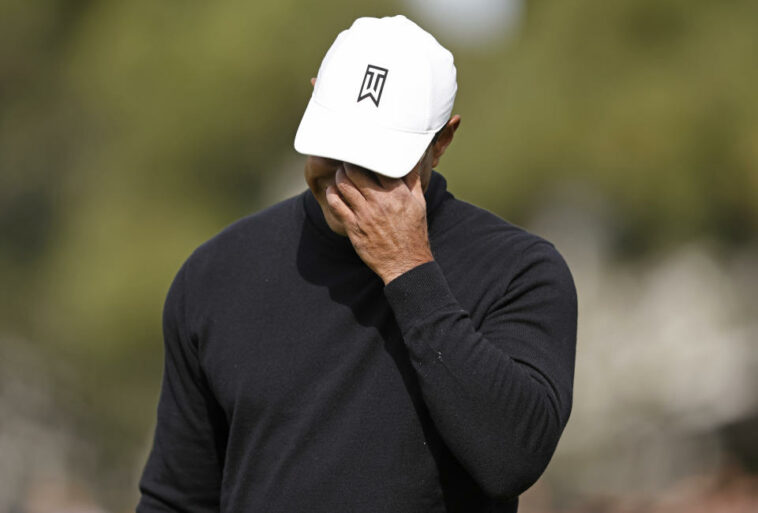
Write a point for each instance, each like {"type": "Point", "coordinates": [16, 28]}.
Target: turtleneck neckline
{"type": "Point", "coordinates": [434, 195]}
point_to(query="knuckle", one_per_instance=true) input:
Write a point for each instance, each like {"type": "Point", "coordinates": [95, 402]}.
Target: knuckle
{"type": "Point", "coordinates": [353, 226]}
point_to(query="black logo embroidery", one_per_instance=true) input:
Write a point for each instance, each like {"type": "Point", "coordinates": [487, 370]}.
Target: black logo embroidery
{"type": "Point", "coordinates": [373, 83]}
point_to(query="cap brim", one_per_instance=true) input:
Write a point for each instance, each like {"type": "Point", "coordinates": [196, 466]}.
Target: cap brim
{"type": "Point", "coordinates": [392, 153]}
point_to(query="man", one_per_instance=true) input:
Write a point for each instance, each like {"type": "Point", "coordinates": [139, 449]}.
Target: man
{"type": "Point", "coordinates": [373, 344]}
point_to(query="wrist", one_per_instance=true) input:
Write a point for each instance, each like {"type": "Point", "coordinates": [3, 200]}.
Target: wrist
{"type": "Point", "coordinates": [393, 271]}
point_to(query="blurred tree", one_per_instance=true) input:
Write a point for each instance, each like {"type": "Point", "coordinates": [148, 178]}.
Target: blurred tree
{"type": "Point", "coordinates": [650, 104]}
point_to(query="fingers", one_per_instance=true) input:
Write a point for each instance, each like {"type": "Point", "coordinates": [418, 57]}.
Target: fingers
{"type": "Point", "coordinates": [357, 187]}
{"type": "Point", "coordinates": [338, 206]}
{"type": "Point", "coordinates": [350, 193]}
{"type": "Point", "coordinates": [411, 182]}
{"type": "Point", "coordinates": [365, 181]}
{"type": "Point", "coordinates": [386, 182]}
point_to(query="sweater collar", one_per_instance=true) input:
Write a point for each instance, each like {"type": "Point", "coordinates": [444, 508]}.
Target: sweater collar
{"type": "Point", "coordinates": [435, 194]}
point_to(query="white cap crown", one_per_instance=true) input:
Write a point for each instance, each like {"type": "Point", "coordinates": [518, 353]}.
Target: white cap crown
{"type": "Point", "coordinates": [383, 89]}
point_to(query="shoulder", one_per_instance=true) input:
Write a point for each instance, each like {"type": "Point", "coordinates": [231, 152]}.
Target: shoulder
{"type": "Point", "coordinates": [498, 249]}
{"type": "Point", "coordinates": [253, 229]}
{"type": "Point", "coordinates": [483, 232]}
{"type": "Point", "coordinates": [260, 233]}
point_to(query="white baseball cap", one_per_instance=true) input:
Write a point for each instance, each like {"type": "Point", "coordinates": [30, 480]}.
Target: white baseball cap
{"type": "Point", "coordinates": [384, 88]}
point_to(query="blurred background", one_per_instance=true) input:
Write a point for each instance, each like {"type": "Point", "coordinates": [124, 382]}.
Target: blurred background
{"type": "Point", "coordinates": [626, 132]}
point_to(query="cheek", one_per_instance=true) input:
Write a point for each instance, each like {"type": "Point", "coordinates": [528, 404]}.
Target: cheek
{"type": "Point", "coordinates": [319, 174]}
{"type": "Point", "coordinates": [325, 181]}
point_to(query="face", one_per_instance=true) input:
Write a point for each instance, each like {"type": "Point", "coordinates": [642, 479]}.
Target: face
{"type": "Point", "coordinates": [320, 171]}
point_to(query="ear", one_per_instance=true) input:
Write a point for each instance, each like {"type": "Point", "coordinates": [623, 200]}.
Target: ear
{"type": "Point", "coordinates": [445, 138]}
{"type": "Point", "coordinates": [313, 81]}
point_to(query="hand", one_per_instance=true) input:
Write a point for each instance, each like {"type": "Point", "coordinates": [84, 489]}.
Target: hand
{"type": "Point", "coordinates": [385, 219]}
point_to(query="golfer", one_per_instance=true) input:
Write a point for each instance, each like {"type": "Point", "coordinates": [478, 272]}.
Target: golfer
{"type": "Point", "coordinates": [373, 344]}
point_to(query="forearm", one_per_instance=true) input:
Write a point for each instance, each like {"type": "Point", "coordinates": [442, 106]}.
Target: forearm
{"type": "Point", "coordinates": [499, 416]}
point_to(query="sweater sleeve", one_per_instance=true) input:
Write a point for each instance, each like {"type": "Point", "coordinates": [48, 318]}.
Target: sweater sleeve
{"type": "Point", "coordinates": [499, 393]}
{"type": "Point", "coordinates": [184, 467]}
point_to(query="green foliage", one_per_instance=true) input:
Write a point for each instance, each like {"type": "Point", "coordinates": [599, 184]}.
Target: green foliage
{"type": "Point", "coordinates": [649, 104]}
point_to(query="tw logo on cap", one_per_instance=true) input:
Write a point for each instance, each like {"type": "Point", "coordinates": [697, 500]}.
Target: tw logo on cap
{"type": "Point", "coordinates": [373, 84]}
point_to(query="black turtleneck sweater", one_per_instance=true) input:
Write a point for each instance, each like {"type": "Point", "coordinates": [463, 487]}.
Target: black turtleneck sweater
{"type": "Point", "coordinates": [294, 380]}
